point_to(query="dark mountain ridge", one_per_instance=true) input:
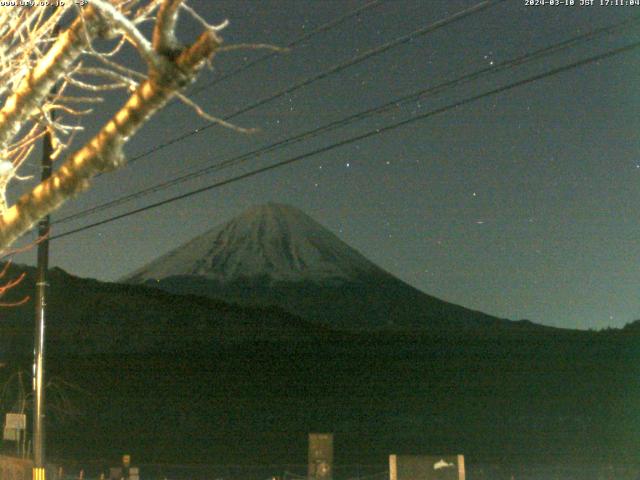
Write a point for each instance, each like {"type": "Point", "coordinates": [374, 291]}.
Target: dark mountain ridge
{"type": "Point", "coordinates": [173, 378]}
{"type": "Point", "coordinates": [186, 378]}
{"type": "Point", "coordinates": [275, 254]}
{"type": "Point", "coordinates": [87, 316]}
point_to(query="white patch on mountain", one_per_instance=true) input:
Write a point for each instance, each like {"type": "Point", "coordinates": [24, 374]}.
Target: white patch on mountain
{"type": "Point", "coordinates": [272, 242]}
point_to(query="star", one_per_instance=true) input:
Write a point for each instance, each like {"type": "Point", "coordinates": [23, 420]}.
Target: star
{"type": "Point", "coordinates": [490, 59]}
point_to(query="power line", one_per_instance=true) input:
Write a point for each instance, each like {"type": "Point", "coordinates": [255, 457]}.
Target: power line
{"type": "Point", "coordinates": [363, 136]}
{"type": "Point", "coordinates": [418, 95]}
{"type": "Point", "coordinates": [321, 29]}
{"type": "Point", "coordinates": [483, 5]}
{"type": "Point", "coordinates": [316, 31]}
{"type": "Point", "coordinates": [335, 69]}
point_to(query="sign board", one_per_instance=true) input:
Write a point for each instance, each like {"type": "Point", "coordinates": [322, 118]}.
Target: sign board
{"type": "Point", "coordinates": [11, 434]}
{"type": "Point", "coordinates": [426, 467]}
{"type": "Point", "coordinates": [115, 473]}
{"type": "Point", "coordinates": [134, 473]}
{"type": "Point", "coordinates": [320, 456]}
{"type": "Point", "coordinates": [15, 421]}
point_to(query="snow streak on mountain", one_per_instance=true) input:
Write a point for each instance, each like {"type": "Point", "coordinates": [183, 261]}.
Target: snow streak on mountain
{"type": "Point", "coordinates": [269, 243]}
{"type": "Point", "coordinates": [275, 255]}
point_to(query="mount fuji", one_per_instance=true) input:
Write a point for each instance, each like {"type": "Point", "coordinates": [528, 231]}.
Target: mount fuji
{"type": "Point", "coordinates": [275, 254]}
{"type": "Point", "coordinates": [268, 245]}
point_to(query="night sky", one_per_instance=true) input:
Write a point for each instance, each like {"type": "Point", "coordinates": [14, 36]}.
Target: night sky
{"type": "Point", "coordinates": [522, 204]}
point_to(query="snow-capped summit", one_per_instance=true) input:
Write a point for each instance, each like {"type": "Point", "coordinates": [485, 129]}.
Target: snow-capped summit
{"type": "Point", "coordinates": [275, 255]}
{"type": "Point", "coordinates": [269, 243]}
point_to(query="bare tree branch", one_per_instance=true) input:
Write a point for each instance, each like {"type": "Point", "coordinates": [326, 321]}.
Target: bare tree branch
{"type": "Point", "coordinates": [104, 151]}
{"type": "Point", "coordinates": [36, 85]}
{"type": "Point", "coordinates": [164, 38]}
{"type": "Point", "coordinates": [120, 22]}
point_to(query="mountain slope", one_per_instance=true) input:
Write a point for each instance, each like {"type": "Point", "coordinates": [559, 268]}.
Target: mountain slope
{"type": "Point", "coordinates": [87, 316]}
{"type": "Point", "coordinates": [184, 379]}
{"type": "Point", "coordinates": [270, 244]}
{"type": "Point", "coordinates": [274, 254]}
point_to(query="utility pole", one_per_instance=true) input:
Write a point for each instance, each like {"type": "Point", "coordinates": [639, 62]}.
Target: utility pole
{"type": "Point", "coordinates": [41, 309]}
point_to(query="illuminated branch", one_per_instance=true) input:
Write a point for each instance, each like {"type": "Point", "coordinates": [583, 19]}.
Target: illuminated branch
{"type": "Point", "coordinates": [34, 58]}
{"type": "Point", "coordinates": [121, 23]}
{"type": "Point", "coordinates": [34, 88]}
{"type": "Point", "coordinates": [12, 283]}
{"type": "Point", "coordinates": [170, 70]}
{"type": "Point", "coordinates": [164, 39]}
